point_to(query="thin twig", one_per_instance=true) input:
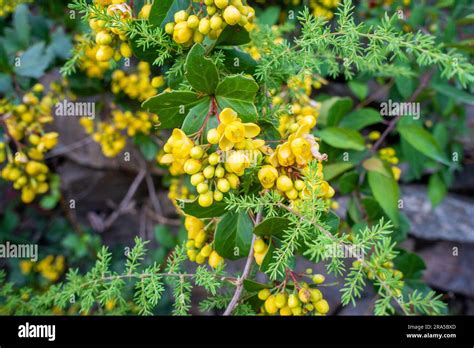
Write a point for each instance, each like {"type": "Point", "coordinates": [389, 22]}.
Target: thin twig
{"type": "Point", "coordinates": [245, 273]}
{"type": "Point", "coordinates": [126, 200]}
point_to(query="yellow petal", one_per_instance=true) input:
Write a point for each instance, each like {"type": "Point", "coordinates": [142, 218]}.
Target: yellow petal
{"type": "Point", "coordinates": [225, 144]}
{"type": "Point", "coordinates": [251, 130]}
{"type": "Point", "coordinates": [227, 116]}
{"type": "Point", "coordinates": [167, 159]}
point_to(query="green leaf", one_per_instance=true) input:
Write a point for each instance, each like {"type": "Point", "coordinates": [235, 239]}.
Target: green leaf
{"type": "Point", "coordinates": [333, 110]}
{"type": "Point", "coordinates": [436, 189]}
{"type": "Point", "coordinates": [233, 36]}
{"type": "Point", "coordinates": [361, 118]}
{"type": "Point", "coordinates": [21, 25]}
{"type": "Point", "coordinates": [343, 138]}
{"type": "Point", "coordinates": [61, 44]}
{"type": "Point", "coordinates": [162, 9]}
{"type": "Point", "coordinates": [359, 88]}
{"type": "Point", "coordinates": [331, 221]}
{"type": "Point", "coordinates": [196, 116]}
{"type": "Point", "coordinates": [4, 63]}
{"type": "Point", "coordinates": [274, 226]}
{"type": "Point", "coordinates": [201, 72]}
{"type": "Point", "coordinates": [253, 286]}
{"type": "Point", "coordinates": [193, 208]}
{"type": "Point", "coordinates": [233, 236]}
{"type": "Point", "coordinates": [147, 146]}
{"type": "Point", "coordinates": [410, 264]}
{"type": "Point", "coordinates": [164, 236]}
{"type": "Point", "coordinates": [452, 92]}
{"type": "Point", "coordinates": [332, 171]}
{"type": "Point", "coordinates": [237, 61]}
{"type": "Point", "coordinates": [238, 92]}
{"type": "Point", "coordinates": [34, 61]}
{"type": "Point", "coordinates": [172, 107]}
{"type": "Point", "coordinates": [423, 141]}
{"type": "Point", "coordinates": [348, 182]}
{"type": "Point", "coordinates": [9, 221]}
{"type": "Point", "coordinates": [50, 201]}
{"type": "Point", "coordinates": [405, 86]}
{"type": "Point", "coordinates": [386, 191]}
{"type": "Point", "coordinates": [269, 16]}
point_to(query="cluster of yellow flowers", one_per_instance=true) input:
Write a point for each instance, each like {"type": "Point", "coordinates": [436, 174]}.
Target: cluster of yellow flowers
{"type": "Point", "coordinates": [50, 267]}
{"type": "Point", "coordinates": [189, 27]}
{"type": "Point", "coordinates": [324, 8]}
{"type": "Point", "coordinates": [8, 6]}
{"type": "Point", "coordinates": [112, 42]}
{"type": "Point", "coordinates": [110, 134]}
{"type": "Point", "coordinates": [287, 165]}
{"type": "Point", "coordinates": [25, 126]}
{"type": "Point", "coordinates": [216, 172]}
{"type": "Point", "coordinates": [199, 246]}
{"type": "Point", "coordinates": [88, 61]}
{"type": "Point", "coordinates": [137, 85]}
{"type": "Point", "coordinates": [301, 301]}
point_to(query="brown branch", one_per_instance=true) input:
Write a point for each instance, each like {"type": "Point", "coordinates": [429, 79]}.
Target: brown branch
{"type": "Point", "coordinates": [245, 273]}
{"type": "Point", "coordinates": [126, 200]}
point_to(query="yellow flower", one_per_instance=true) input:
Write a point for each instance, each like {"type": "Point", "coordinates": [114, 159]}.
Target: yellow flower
{"type": "Point", "coordinates": [232, 131]}
{"type": "Point", "coordinates": [26, 266]}
{"type": "Point", "coordinates": [267, 176]}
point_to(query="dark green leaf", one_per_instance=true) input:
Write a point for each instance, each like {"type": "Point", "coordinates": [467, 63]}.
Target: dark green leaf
{"type": "Point", "coordinates": [253, 286]}
{"type": "Point", "coordinates": [456, 93]}
{"type": "Point", "coordinates": [274, 226]}
{"type": "Point", "coordinates": [233, 236]}
{"type": "Point", "coordinates": [410, 264]}
{"type": "Point", "coordinates": [423, 141]}
{"type": "Point", "coordinates": [237, 61]}
{"type": "Point", "coordinates": [233, 36]}
{"type": "Point", "coordinates": [196, 116]}
{"type": "Point", "coordinates": [21, 25]}
{"type": "Point", "coordinates": [333, 110]}
{"type": "Point", "coordinates": [172, 107]}
{"type": "Point", "coordinates": [201, 72]}
{"type": "Point", "coordinates": [348, 182]}
{"type": "Point", "coordinates": [193, 208]}
{"type": "Point", "coordinates": [238, 92]}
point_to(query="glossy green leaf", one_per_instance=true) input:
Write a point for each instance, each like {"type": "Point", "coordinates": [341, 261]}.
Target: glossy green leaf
{"type": "Point", "coordinates": [196, 116]}
{"type": "Point", "coordinates": [333, 110]}
{"type": "Point", "coordinates": [423, 141]}
{"type": "Point", "coordinates": [233, 236]}
{"type": "Point", "coordinates": [274, 226]}
{"type": "Point", "coordinates": [233, 36]}
{"type": "Point", "coordinates": [193, 208]}
{"type": "Point", "coordinates": [172, 107]}
{"type": "Point", "coordinates": [331, 171]}
{"type": "Point", "coordinates": [238, 92]}
{"type": "Point", "coordinates": [200, 71]}
{"type": "Point", "coordinates": [342, 138]}
{"type": "Point", "coordinates": [386, 191]}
